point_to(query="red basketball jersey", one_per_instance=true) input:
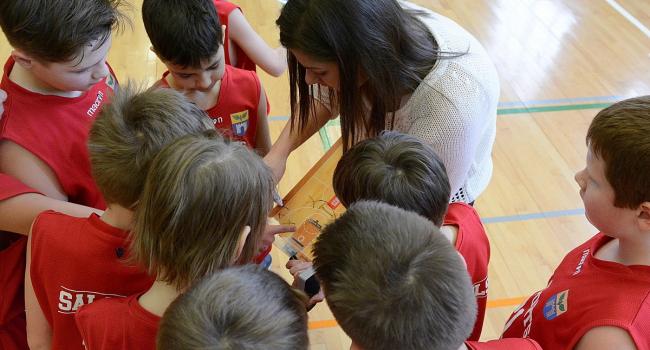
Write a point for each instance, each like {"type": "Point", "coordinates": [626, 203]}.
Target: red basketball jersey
{"type": "Point", "coordinates": [235, 113]}
{"type": "Point", "coordinates": [586, 292]}
{"type": "Point", "coordinates": [75, 262]}
{"type": "Point", "coordinates": [504, 344]}
{"type": "Point", "coordinates": [224, 8]}
{"type": "Point", "coordinates": [473, 244]}
{"type": "Point", "coordinates": [117, 324]}
{"type": "Point", "coordinates": [54, 129]}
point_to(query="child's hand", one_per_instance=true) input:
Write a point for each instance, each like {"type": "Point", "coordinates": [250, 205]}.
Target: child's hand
{"type": "Point", "coordinates": [295, 268]}
{"type": "Point", "coordinates": [272, 229]}
{"type": "Point", "coordinates": [3, 97]}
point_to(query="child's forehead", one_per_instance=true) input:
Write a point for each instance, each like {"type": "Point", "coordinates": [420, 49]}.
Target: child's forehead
{"type": "Point", "coordinates": [90, 54]}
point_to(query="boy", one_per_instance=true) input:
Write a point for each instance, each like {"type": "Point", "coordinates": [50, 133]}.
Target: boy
{"type": "Point", "coordinates": [599, 296]}
{"type": "Point", "coordinates": [401, 170]}
{"type": "Point", "coordinates": [228, 310]}
{"type": "Point", "coordinates": [190, 44]}
{"type": "Point", "coordinates": [204, 207]}
{"type": "Point", "coordinates": [415, 291]}
{"type": "Point", "coordinates": [57, 80]}
{"type": "Point", "coordinates": [74, 261]}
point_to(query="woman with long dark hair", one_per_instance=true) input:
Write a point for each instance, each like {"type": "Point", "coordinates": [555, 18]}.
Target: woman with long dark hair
{"type": "Point", "coordinates": [382, 64]}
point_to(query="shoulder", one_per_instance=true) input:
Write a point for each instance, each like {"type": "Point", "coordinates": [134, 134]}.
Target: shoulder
{"type": "Point", "coordinates": [224, 7]}
{"type": "Point", "coordinates": [102, 312]}
{"type": "Point", "coordinates": [604, 338]}
{"type": "Point", "coordinates": [50, 223]}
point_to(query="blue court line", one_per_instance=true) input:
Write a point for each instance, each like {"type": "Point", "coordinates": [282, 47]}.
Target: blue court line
{"type": "Point", "coordinates": [534, 216]}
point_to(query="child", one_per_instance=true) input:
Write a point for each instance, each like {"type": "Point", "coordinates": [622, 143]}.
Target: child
{"type": "Point", "coordinates": [243, 47]}
{"type": "Point", "coordinates": [204, 207]}
{"type": "Point", "coordinates": [401, 170]}
{"type": "Point", "coordinates": [393, 281]}
{"type": "Point", "coordinates": [60, 276]}
{"type": "Point", "coordinates": [599, 296]}
{"type": "Point", "coordinates": [57, 80]}
{"type": "Point", "coordinates": [229, 310]}
{"type": "Point", "coordinates": [190, 44]}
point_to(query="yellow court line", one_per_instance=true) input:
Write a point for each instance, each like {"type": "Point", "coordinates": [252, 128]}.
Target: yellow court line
{"type": "Point", "coordinates": [490, 305]}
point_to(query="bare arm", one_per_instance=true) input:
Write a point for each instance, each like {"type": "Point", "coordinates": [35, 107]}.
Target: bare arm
{"type": "Point", "coordinates": [289, 140]}
{"type": "Point", "coordinates": [606, 338]}
{"type": "Point", "coordinates": [272, 61]}
{"type": "Point", "coordinates": [17, 213]}
{"type": "Point", "coordinates": [3, 97]}
{"type": "Point", "coordinates": [39, 332]}
{"type": "Point", "coordinates": [263, 135]}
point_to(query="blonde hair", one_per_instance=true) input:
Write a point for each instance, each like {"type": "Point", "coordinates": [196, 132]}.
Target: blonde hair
{"type": "Point", "coordinates": [243, 307]}
{"type": "Point", "coordinates": [130, 131]}
{"type": "Point", "coordinates": [200, 194]}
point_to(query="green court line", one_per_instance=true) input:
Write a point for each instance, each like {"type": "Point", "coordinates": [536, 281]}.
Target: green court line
{"type": "Point", "coordinates": [327, 143]}
{"type": "Point", "coordinates": [542, 109]}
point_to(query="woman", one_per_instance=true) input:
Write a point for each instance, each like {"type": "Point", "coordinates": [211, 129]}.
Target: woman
{"type": "Point", "coordinates": [381, 64]}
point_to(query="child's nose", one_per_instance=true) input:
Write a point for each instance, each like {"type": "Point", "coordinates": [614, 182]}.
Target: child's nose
{"type": "Point", "coordinates": [204, 81]}
{"type": "Point", "coordinates": [580, 178]}
{"type": "Point", "coordinates": [100, 72]}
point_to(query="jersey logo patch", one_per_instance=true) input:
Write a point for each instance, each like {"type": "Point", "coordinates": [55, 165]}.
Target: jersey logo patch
{"type": "Point", "coordinates": [111, 82]}
{"type": "Point", "coordinates": [556, 305]}
{"type": "Point", "coordinates": [239, 123]}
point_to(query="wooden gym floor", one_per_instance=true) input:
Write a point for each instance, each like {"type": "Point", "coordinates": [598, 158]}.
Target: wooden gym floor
{"type": "Point", "coordinates": [559, 62]}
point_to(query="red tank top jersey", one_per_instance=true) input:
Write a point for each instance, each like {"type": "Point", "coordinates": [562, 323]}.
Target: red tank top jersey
{"type": "Point", "coordinates": [586, 292]}
{"type": "Point", "coordinates": [117, 324]}
{"type": "Point", "coordinates": [66, 277]}
{"type": "Point", "coordinates": [54, 129]}
{"type": "Point", "coordinates": [473, 244]}
{"type": "Point", "coordinates": [504, 344]}
{"type": "Point", "coordinates": [224, 9]}
{"type": "Point", "coordinates": [12, 273]}
{"type": "Point", "coordinates": [235, 113]}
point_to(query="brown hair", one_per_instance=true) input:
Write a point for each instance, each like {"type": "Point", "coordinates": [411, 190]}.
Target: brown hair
{"type": "Point", "coordinates": [397, 169]}
{"type": "Point", "coordinates": [393, 281]}
{"type": "Point", "coordinates": [243, 307]}
{"type": "Point", "coordinates": [619, 135]}
{"type": "Point", "coordinates": [200, 193]}
{"type": "Point", "coordinates": [130, 131]}
{"type": "Point", "coordinates": [378, 40]}
{"type": "Point", "coordinates": [182, 32]}
{"type": "Point", "coordinates": [57, 31]}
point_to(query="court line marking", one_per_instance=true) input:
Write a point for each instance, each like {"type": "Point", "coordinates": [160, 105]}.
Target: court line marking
{"type": "Point", "coordinates": [558, 101]}
{"type": "Point", "coordinates": [533, 216]}
{"type": "Point", "coordinates": [313, 325]}
{"type": "Point", "coordinates": [621, 10]}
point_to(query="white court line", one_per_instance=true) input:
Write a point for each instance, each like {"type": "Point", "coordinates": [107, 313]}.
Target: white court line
{"type": "Point", "coordinates": [629, 17]}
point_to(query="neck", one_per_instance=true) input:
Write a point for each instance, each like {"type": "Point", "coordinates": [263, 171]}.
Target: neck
{"type": "Point", "coordinates": [451, 232]}
{"type": "Point", "coordinates": [25, 79]}
{"type": "Point", "coordinates": [629, 250]}
{"type": "Point", "coordinates": [118, 216]}
{"type": "Point", "coordinates": [158, 297]}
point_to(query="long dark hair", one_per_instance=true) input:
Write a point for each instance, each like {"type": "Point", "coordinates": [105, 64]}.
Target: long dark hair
{"type": "Point", "coordinates": [389, 45]}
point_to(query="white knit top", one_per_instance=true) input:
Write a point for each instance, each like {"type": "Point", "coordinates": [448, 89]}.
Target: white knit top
{"type": "Point", "coordinates": [454, 108]}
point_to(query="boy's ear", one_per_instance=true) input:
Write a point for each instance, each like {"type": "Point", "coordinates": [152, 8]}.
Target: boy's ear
{"type": "Point", "coordinates": [23, 59]}
{"type": "Point", "coordinates": [242, 239]}
{"type": "Point", "coordinates": [644, 216]}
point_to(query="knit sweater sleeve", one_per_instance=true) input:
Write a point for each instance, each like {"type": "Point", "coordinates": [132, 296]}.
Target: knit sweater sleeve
{"type": "Point", "coordinates": [452, 125]}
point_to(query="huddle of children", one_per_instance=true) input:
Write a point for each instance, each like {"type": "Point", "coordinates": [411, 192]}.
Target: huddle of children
{"type": "Point", "coordinates": [166, 264]}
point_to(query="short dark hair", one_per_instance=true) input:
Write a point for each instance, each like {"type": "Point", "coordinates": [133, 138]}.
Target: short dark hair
{"type": "Point", "coordinates": [55, 30]}
{"type": "Point", "coordinates": [393, 281]}
{"type": "Point", "coordinates": [130, 131]}
{"type": "Point", "coordinates": [245, 307]}
{"type": "Point", "coordinates": [201, 192]}
{"type": "Point", "coordinates": [398, 169]}
{"type": "Point", "coordinates": [619, 135]}
{"type": "Point", "coordinates": [182, 32]}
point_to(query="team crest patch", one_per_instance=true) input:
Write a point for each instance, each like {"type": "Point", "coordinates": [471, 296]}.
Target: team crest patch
{"type": "Point", "coordinates": [556, 305]}
{"type": "Point", "coordinates": [239, 123]}
{"type": "Point", "coordinates": [111, 82]}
